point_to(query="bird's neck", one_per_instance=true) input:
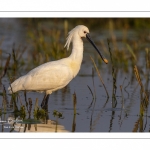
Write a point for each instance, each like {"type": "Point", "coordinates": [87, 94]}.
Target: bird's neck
{"type": "Point", "coordinates": [76, 56]}
{"type": "Point", "coordinates": [77, 50]}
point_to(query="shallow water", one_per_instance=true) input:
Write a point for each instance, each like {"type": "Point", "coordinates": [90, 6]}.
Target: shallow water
{"type": "Point", "coordinates": [101, 116]}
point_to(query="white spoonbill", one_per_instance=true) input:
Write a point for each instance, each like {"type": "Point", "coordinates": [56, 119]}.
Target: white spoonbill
{"type": "Point", "coordinates": [55, 75]}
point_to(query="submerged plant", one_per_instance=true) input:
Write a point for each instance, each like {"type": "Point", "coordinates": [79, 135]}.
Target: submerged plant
{"type": "Point", "coordinates": [99, 76]}
{"type": "Point", "coordinates": [39, 114]}
{"type": "Point", "coordinates": [93, 94]}
{"type": "Point", "coordinates": [21, 112]}
{"type": "Point", "coordinates": [74, 116]}
{"type": "Point", "coordinates": [57, 114]}
{"type": "Point", "coordinates": [114, 74]}
{"type": "Point", "coordinates": [74, 102]}
{"type": "Point", "coordinates": [140, 83]}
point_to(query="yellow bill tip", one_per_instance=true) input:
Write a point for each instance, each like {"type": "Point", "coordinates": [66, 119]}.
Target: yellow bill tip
{"type": "Point", "coordinates": [105, 60]}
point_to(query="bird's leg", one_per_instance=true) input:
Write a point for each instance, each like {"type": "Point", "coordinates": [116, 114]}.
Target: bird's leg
{"type": "Point", "coordinates": [25, 96]}
{"type": "Point", "coordinates": [43, 101]}
{"type": "Point", "coordinates": [44, 104]}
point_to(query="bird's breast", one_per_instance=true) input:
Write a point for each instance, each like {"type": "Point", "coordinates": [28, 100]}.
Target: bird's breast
{"type": "Point", "coordinates": [75, 67]}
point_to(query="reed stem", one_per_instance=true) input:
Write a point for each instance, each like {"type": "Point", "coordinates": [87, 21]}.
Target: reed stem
{"type": "Point", "coordinates": [99, 76]}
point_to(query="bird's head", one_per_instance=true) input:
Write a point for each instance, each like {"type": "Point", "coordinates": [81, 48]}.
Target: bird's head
{"type": "Point", "coordinates": [82, 31]}
{"type": "Point", "coordinates": [79, 31]}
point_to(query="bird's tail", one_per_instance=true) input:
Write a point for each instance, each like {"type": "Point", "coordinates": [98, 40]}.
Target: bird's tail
{"type": "Point", "coordinates": [16, 86]}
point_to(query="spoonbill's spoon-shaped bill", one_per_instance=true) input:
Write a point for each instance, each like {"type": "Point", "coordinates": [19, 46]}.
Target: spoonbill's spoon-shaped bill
{"type": "Point", "coordinates": [89, 39]}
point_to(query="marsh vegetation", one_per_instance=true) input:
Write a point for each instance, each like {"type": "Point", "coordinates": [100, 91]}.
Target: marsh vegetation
{"type": "Point", "coordinates": [102, 98]}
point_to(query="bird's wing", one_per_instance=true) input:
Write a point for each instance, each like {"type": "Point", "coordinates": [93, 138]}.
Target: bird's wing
{"type": "Point", "coordinates": [48, 77]}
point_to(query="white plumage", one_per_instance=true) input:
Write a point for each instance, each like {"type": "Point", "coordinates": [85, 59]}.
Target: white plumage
{"type": "Point", "coordinates": [55, 75]}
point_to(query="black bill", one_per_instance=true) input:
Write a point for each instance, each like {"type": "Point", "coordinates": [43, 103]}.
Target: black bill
{"type": "Point", "coordinates": [89, 39]}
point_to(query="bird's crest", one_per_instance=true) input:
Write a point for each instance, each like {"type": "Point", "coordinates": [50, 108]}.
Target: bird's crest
{"type": "Point", "coordinates": [69, 39]}
{"type": "Point", "coordinates": [71, 34]}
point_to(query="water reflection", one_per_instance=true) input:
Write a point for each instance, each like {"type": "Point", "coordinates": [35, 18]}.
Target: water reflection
{"type": "Point", "coordinates": [126, 110]}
